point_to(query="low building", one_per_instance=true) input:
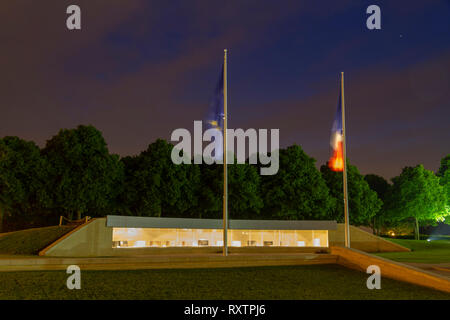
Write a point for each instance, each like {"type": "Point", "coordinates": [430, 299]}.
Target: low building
{"type": "Point", "coordinates": [135, 236]}
{"type": "Point", "coordinates": [126, 236]}
{"type": "Point", "coordinates": [150, 232]}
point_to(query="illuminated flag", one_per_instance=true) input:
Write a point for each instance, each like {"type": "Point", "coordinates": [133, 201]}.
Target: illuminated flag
{"type": "Point", "coordinates": [215, 117]}
{"type": "Point", "coordinates": [336, 162]}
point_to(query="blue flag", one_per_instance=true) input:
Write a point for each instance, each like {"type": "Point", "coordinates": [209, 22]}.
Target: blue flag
{"type": "Point", "coordinates": [215, 116]}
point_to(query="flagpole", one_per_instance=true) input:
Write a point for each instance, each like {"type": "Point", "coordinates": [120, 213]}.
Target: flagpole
{"type": "Point", "coordinates": [344, 173]}
{"type": "Point", "coordinates": [225, 173]}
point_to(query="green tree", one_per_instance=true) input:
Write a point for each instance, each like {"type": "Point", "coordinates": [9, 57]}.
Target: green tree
{"type": "Point", "coordinates": [363, 202]}
{"type": "Point", "coordinates": [444, 179]}
{"type": "Point", "coordinates": [382, 187]}
{"type": "Point", "coordinates": [445, 166]}
{"type": "Point", "coordinates": [416, 194]}
{"type": "Point", "coordinates": [298, 190]}
{"type": "Point", "coordinates": [85, 178]}
{"type": "Point", "coordinates": [378, 184]}
{"type": "Point", "coordinates": [23, 175]}
{"type": "Point", "coordinates": [155, 186]}
{"type": "Point", "coordinates": [244, 195]}
{"type": "Point", "coordinates": [244, 200]}
{"type": "Point", "coordinates": [210, 193]}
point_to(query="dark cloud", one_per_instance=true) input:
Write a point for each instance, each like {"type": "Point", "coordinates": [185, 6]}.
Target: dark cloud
{"type": "Point", "coordinates": [139, 69]}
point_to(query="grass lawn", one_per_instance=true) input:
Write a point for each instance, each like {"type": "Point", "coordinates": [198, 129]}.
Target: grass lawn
{"type": "Point", "coordinates": [290, 282]}
{"type": "Point", "coordinates": [435, 251]}
{"type": "Point", "coordinates": [30, 241]}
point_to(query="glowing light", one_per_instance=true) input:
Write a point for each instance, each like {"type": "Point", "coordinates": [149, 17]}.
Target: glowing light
{"type": "Point", "coordinates": [156, 237]}
{"type": "Point", "coordinates": [235, 243]}
{"type": "Point", "coordinates": [139, 244]}
{"type": "Point", "coordinates": [316, 242]}
{"type": "Point", "coordinates": [132, 231]}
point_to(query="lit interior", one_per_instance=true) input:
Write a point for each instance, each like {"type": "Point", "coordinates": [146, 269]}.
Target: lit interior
{"type": "Point", "coordinates": [167, 237]}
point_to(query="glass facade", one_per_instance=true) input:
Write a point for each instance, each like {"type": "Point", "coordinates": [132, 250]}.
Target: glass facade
{"type": "Point", "coordinates": [171, 237]}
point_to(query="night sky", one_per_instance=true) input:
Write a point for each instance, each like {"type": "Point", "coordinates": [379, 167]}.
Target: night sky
{"type": "Point", "coordinates": [140, 69]}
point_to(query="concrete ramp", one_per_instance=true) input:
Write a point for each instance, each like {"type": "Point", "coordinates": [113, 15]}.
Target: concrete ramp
{"type": "Point", "coordinates": [364, 241]}
{"type": "Point", "coordinates": [358, 260]}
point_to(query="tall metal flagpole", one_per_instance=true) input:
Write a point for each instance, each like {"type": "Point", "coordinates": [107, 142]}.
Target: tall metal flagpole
{"type": "Point", "coordinates": [225, 174]}
{"type": "Point", "coordinates": [344, 173]}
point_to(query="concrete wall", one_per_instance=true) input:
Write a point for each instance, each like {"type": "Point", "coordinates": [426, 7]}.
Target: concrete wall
{"type": "Point", "coordinates": [355, 259]}
{"type": "Point", "coordinates": [362, 240]}
{"type": "Point", "coordinates": [88, 240]}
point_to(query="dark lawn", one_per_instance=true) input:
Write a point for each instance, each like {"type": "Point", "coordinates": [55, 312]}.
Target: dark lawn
{"type": "Point", "coordinates": [435, 251]}
{"type": "Point", "coordinates": [290, 282]}
{"type": "Point", "coordinates": [30, 241]}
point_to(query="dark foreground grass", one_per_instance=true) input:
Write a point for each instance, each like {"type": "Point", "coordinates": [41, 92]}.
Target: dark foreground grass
{"type": "Point", "coordinates": [31, 241]}
{"type": "Point", "coordinates": [290, 282]}
{"type": "Point", "coordinates": [435, 251]}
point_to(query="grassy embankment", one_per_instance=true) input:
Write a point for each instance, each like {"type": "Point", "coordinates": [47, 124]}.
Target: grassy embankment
{"type": "Point", "coordinates": [30, 241]}
{"type": "Point", "coordinates": [422, 251]}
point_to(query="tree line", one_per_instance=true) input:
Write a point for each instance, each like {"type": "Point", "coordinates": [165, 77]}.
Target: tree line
{"type": "Point", "coordinates": [75, 175]}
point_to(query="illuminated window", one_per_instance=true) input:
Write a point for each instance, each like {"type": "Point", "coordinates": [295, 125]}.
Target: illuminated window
{"type": "Point", "coordinates": [172, 237]}
{"type": "Point", "coordinates": [235, 243]}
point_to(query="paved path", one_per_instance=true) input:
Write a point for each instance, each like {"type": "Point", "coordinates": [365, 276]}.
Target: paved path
{"type": "Point", "coordinates": [30, 263]}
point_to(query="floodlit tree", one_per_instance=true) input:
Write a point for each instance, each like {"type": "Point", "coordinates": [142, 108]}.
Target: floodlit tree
{"type": "Point", "coordinates": [84, 178]}
{"type": "Point", "coordinates": [298, 190]}
{"type": "Point", "coordinates": [416, 194]}
{"type": "Point", "coordinates": [444, 179]}
{"type": "Point", "coordinates": [363, 202]}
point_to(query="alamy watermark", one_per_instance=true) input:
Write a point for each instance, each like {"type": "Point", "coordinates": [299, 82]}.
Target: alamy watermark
{"type": "Point", "coordinates": [213, 152]}
{"type": "Point", "coordinates": [73, 22]}
{"type": "Point", "coordinates": [374, 281]}
{"type": "Point", "coordinates": [74, 280]}
{"type": "Point", "coordinates": [373, 22]}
